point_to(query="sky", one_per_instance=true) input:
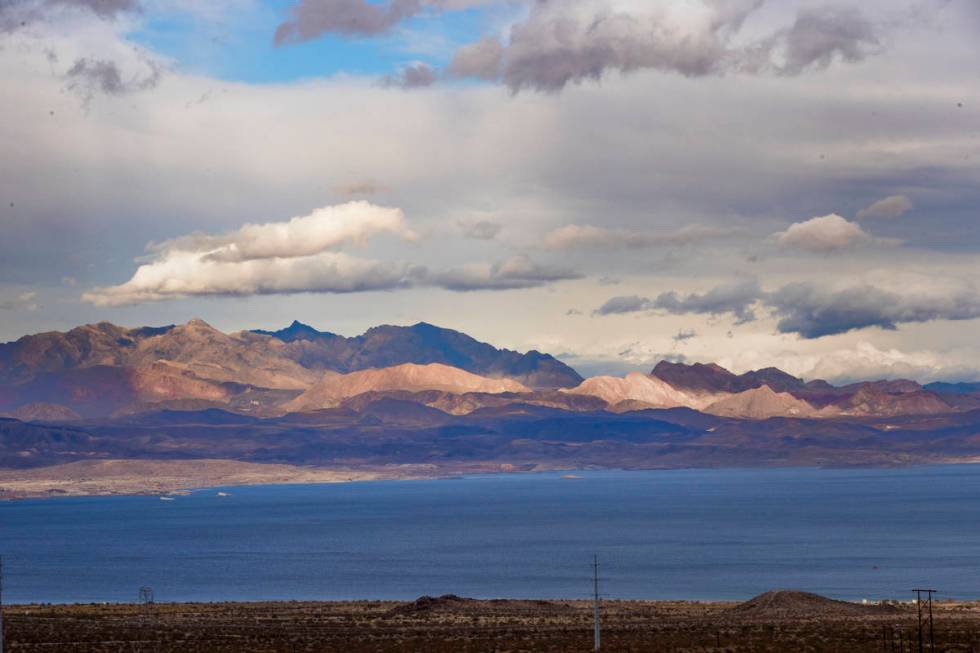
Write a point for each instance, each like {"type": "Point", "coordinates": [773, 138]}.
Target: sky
{"type": "Point", "coordinates": [756, 183]}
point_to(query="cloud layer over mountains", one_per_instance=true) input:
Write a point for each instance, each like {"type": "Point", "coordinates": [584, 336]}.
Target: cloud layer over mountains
{"type": "Point", "coordinates": [781, 183]}
{"type": "Point", "coordinates": [302, 255]}
{"type": "Point", "coordinates": [812, 311]}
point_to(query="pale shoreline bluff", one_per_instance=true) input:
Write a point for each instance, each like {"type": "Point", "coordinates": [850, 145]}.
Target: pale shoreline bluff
{"type": "Point", "coordinates": [162, 477]}
{"type": "Point", "coordinates": [136, 477]}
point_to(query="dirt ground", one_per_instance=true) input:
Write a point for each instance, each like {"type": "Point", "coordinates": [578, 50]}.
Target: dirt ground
{"type": "Point", "coordinates": [774, 622]}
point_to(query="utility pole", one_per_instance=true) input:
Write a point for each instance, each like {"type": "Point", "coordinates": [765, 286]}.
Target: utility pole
{"type": "Point", "coordinates": [146, 609]}
{"type": "Point", "coordinates": [918, 604]}
{"type": "Point", "coordinates": [918, 608]}
{"type": "Point", "coordinates": [146, 602]}
{"type": "Point", "coordinates": [595, 603]}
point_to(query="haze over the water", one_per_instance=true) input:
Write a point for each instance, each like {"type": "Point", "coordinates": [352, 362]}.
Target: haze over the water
{"type": "Point", "coordinates": [748, 182]}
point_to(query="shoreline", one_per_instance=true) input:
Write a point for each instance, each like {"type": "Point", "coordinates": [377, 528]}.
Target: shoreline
{"type": "Point", "coordinates": [135, 477]}
{"type": "Point", "coordinates": [168, 478]}
{"type": "Point", "coordinates": [171, 478]}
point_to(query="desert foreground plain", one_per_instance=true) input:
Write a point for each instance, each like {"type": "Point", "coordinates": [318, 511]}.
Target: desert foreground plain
{"type": "Point", "coordinates": [775, 621]}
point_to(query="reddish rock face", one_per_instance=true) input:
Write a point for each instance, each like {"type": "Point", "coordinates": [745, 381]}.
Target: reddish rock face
{"type": "Point", "coordinates": [699, 377]}
{"type": "Point", "coordinates": [334, 388]}
{"type": "Point", "coordinates": [890, 399]}
{"type": "Point", "coordinates": [101, 369]}
{"type": "Point", "coordinates": [715, 378]}
{"type": "Point", "coordinates": [761, 403]}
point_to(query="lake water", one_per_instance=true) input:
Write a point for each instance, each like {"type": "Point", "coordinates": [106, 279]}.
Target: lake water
{"type": "Point", "coordinates": [696, 534]}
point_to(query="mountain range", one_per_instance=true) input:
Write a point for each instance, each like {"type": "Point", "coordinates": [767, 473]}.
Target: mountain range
{"type": "Point", "coordinates": [421, 393]}
{"type": "Point", "coordinates": [100, 370]}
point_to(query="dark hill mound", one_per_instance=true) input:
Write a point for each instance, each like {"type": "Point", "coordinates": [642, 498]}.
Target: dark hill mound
{"type": "Point", "coordinates": [450, 603]}
{"type": "Point", "coordinates": [447, 602]}
{"type": "Point", "coordinates": [789, 604]}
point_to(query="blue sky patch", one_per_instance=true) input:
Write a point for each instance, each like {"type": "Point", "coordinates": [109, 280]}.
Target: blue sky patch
{"type": "Point", "coordinates": [240, 47]}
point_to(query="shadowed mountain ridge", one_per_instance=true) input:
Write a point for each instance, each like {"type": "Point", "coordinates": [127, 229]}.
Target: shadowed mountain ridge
{"type": "Point", "coordinates": [420, 344]}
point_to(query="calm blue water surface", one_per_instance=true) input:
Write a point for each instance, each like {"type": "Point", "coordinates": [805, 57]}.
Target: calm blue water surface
{"type": "Point", "coordinates": [697, 534]}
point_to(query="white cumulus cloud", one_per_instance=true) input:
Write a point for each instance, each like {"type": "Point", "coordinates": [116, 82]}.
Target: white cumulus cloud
{"type": "Point", "coordinates": [827, 233]}
{"type": "Point", "coordinates": [324, 229]}
{"type": "Point", "coordinates": [276, 257]}
{"type": "Point", "coordinates": [301, 255]}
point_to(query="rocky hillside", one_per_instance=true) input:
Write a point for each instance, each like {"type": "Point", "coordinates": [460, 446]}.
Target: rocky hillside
{"type": "Point", "coordinates": [639, 389]}
{"type": "Point", "coordinates": [102, 369]}
{"type": "Point", "coordinates": [421, 344]}
{"type": "Point", "coordinates": [333, 388]}
{"type": "Point", "coordinates": [761, 403]}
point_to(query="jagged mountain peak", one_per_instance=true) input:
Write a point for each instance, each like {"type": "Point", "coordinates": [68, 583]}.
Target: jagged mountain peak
{"type": "Point", "coordinates": [698, 377]}
{"type": "Point", "coordinates": [774, 378]}
{"type": "Point", "coordinates": [296, 331]}
{"type": "Point", "coordinates": [711, 377]}
{"type": "Point", "coordinates": [636, 387]}
{"type": "Point", "coordinates": [761, 403]}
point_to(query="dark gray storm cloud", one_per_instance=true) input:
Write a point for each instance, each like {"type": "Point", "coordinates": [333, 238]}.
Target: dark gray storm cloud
{"type": "Point", "coordinates": [562, 43]}
{"type": "Point", "coordinates": [808, 310]}
{"type": "Point", "coordinates": [91, 76]}
{"type": "Point", "coordinates": [558, 43]}
{"type": "Point", "coordinates": [625, 304]}
{"type": "Point", "coordinates": [811, 312]}
{"type": "Point", "coordinates": [101, 8]}
{"type": "Point", "coordinates": [417, 75]}
{"type": "Point", "coordinates": [15, 14]}
{"type": "Point", "coordinates": [734, 298]}
{"type": "Point", "coordinates": [310, 19]}
{"type": "Point", "coordinates": [480, 60]}
{"type": "Point", "coordinates": [481, 230]}
{"type": "Point", "coordinates": [821, 35]}
{"type": "Point", "coordinates": [87, 76]}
